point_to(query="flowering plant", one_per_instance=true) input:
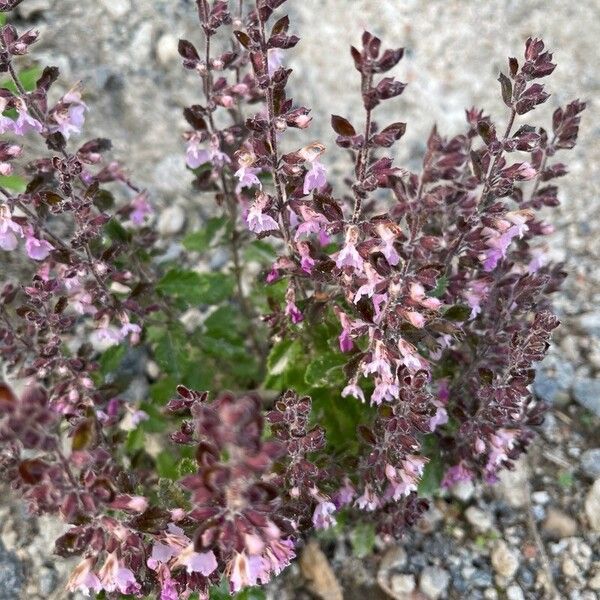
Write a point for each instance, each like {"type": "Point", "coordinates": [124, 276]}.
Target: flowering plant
{"type": "Point", "coordinates": [410, 308]}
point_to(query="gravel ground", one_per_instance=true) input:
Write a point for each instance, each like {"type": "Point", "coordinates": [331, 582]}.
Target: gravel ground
{"type": "Point", "coordinates": [540, 527]}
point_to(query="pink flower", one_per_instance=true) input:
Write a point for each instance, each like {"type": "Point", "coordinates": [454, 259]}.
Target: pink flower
{"type": "Point", "coordinates": [69, 114]}
{"type": "Point", "coordinates": [345, 495]}
{"type": "Point", "coordinates": [168, 589]}
{"type": "Point", "coordinates": [274, 60]}
{"type": "Point", "coordinates": [37, 249]}
{"type": "Point", "coordinates": [411, 359]}
{"type": "Point", "coordinates": [386, 390]}
{"type": "Point", "coordinates": [257, 220]}
{"type": "Point", "coordinates": [132, 503]}
{"type": "Point", "coordinates": [313, 223]}
{"type": "Point", "coordinates": [25, 122]}
{"type": "Point", "coordinates": [380, 362]}
{"type": "Point", "coordinates": [323, 515]}
{"type": "Point", "coordinates": [315, 178]}
{"type": "Point", "coordinates": [246, 571]}
{"type": "Point", "coordinates": [387, 248]}
{"type": "Point", "coordinates": [247, 177]}
{"type": "Point", "coordinates": [83, 579]}
{"type": "Point", "coordinates": [8, 229]}
{"type": "Point", "coordinates": [368, 289]}
{"type": "Point", "coordinates": [141, 209]}
{"type": "Point", "coordinates": [440, 418]}
{"type": "Point", "coordinates": [346, 343]}
{"type": "Point", "coordinates": [306, 261]}
{"type": "Point", "coordinates": [197, 156]}
{"type": "Point", "coordinates": [293, 312]}
{"type": "Point", "coordinates": [476, 292]}
{"type": "Point", "coordinates": [196, 562]}
{"type": "Point", "coordinates": [368, 500]}
{"type": "Point", "coordinates": [349, 257]}
{"type": "Point", "coordinates": [538, 260]}
{"type": "Point", "coordinates": [117, 578]}
{"type": "Point", "coordinates": [279, 553]}
{"type": "Point", "coordinates": [456, 474]}
{"type": "Point", "coordinates": [353, 390]}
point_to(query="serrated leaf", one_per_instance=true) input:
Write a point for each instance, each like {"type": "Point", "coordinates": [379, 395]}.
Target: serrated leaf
{"type": "Point", "coordinates": [116, 231]}
{"type": "Point", "coordinates": [458, 312]}
{"type": "Point", "coordinates": [326, 370]}
{"type": "Point", "coordinates": [362, 539]}
{"type": "Point", "coordinates": [209, 235]}
{"type": "Point", "coordinates": [196, 288]}
{"type": "Point", "coordinates": [111, 359]}
{"type": "Point", "coordinates": [440, 287]}
{"type": "Point", "coordinates": [434, 469]}
{"type": "Point", "coordinates": [14, 183]}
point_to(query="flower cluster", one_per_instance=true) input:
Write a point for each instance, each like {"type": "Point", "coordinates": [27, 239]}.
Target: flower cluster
{"type": "Point", "coordinates": [420, 297]}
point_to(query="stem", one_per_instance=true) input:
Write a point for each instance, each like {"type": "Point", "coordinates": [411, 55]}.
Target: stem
{"type": "Point", "coordinates": [483, 198]}
{"type": "Point", "coordinates": [491, 171]}
{"type": "Point", "coordinates": [363, 156]}
{"type": "Point", "coordinates": [279, 188]}
{"type": "Point", "coordinates": [230, 198]}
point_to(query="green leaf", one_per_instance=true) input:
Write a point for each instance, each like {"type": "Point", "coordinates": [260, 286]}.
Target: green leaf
{"type": "Point", "coordinates": [166, 465]}
{"type": "Point", "coordinates": [111, 359]}
{"type": "Point", "coordinates": [362, 538]}
{"type": "Point", "coordinates": [221, 592]}
{"type": "Point", "coordinates": [170, 347]}
{"type": "Point", "coordinates": [27, 77]}
{"type": "Point", "coordinates": [13, 183]}
{"type": "Point", "coordinates": [286, 364]}
{"type": "Point", "coordinates": [209, 235]}
{"type": "Point", "coordinates": [135, 440]}
{"type": "Point", "coordinates": [434, 469]}
{"type": "Point", "coordinates": [326, 370]}
{"type": "Point", "coordinates": [163, 390]}
{"type": "Point", "coordinates": [187, 466]}
{"type": "Point", "coordinates": [440, 288]}
{"type": "Point", "coordinates": [260, 251]}
{"type": "Point", "coordinates": [458, 312]}
{"type": "Point", "coordinates": [197, 288]}
{"type": "Point", "coordinates": [115, 231]}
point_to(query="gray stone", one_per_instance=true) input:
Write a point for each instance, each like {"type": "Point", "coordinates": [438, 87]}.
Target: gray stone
{"type": "Point", "coordinates": [166, 50]}
{"type": "Point", "coordinates": [434, 582]}
{"type": "Point", "coordinates": [402, 583]}
{"type": "Point", "coordinates": [592, 506]}
{"type": "Point", "coordinates": [11, 575]}
{"type": "Point", "coordinates": [116, 8]}
{"type": "Point", "coordinates": [559, 525]}
{"type": "Point", "coordinates": [32, 8]}
{"type": "Point", "coordinates": [47, 581]}
{"type": "Point", "coordinates": [505, 560]}
{"type": "Point", "coordinates": [463, 490]}
{"type": "Point", "coordinates": [590, 463]}
{"type": "Point", "coordinates": [586, 392]}
{"type": "Point", "coordinates": [171, 220]}
{"type": "Point", "coordinates": [554, 377]}
{"type": "Point", "coordinates": [481, 520]}
{"type": "Point", "coordinates": [589, 323]}
{"type": "Point", "coordinates": [514, 592]}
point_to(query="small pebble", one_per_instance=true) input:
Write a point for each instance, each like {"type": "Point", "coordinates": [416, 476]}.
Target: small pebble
{"type": "Point", "coordinates": [559, 525]}
{"type": "Point", "coordinates": [403, 583]}
{"type": "Point", "coordinates": [514, 592]}
{"type": "Point", "coordinates": [479, 519]}
{"type": "Point", "coordinates": [505, 560]}
{"type": "Point", "coordinates": [171, 220]}
{"type": "Point", "coordinates": [590, 463]}
{"type": "Point", "coordinates": [434, 582]}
